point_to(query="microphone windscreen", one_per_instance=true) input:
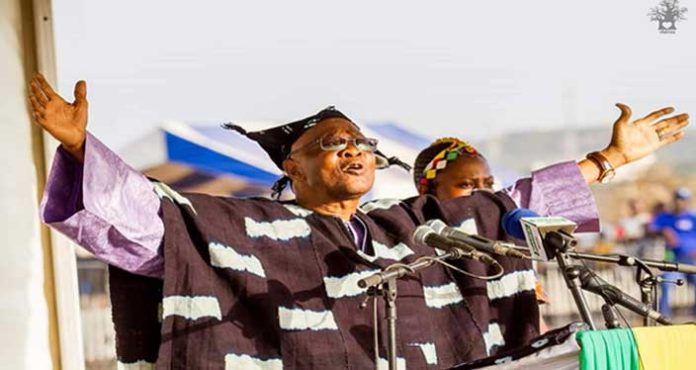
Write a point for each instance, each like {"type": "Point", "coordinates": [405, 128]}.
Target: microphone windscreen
{"type": "Point", "coordinates": [421, 233]}
{"type": "Point", "coordinates": [511, 221]}
{"type": "Point", "coordinates": [437, 225]}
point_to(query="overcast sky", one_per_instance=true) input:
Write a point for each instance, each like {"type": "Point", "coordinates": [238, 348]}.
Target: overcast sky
{"type": "Point", "coordinates": [462, 68]}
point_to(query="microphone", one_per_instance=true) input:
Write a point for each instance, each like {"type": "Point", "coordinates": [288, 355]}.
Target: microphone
{"type": "Point", "coordinates": [511, 221]}
{"type": "Point", "coordinates": [476, 241]}
{"type": "Point", "coordinates": [426, 235]}
{"type": "Point", "coordinates": [522, 223]}
{"type": "Point", "coordinates": [593, 283]}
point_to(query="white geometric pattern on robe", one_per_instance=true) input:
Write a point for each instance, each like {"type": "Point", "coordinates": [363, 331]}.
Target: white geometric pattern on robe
{"type": "Point", "coordinates": [429, 352]}
{"type": "Point", "coordinates": [493, 337]}
{"type": "Point", "coordinates": [347, 285]}
{"type": "Point", "coordinates": [277, 230]}
{"type": "Point", "coordinates": [225, 257]}
{"type": "Point", "coordinates": [366, 256]}
{"type": "Point", "coordinates": [297, 210]}
{"type": "Point", "coordinates": [467, 226]}
{"type": "Point", "coordinates": [379, 204]}
{"type": "Point", "coordinates": [511, 284]}
{"type": "Point", "coordinates": [313, 317]}
{"type": "Point", "coordinates": [235, 362]}
{"type": "Point", "coordinates": [395, 253]}
{"type": "Point", "coordinates": [164, 191]}
{"type": "Point", "coordinates": [191, 307]}
{"type": "Point", "coordinates": [299, 319]}
{"type": "Point", "coordinates": [443, 295]}
{"type": "Point", "coordinates": [383, 364]}
{"type": "Point", "coordinates": [137, 365]}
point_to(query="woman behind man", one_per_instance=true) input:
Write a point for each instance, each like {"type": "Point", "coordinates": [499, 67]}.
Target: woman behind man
{"type": "Point", "coordinates": [451, 168]}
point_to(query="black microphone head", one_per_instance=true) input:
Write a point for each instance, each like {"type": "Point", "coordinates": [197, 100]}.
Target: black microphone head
{"type": "Point", "coordinates": [591, 281]}
{"type": "Point", "coordinates": [437, 225]}
{"type": "Point", "coordinates": [511, 221]}
{"type": "Point", "coordinates": [421, 233]}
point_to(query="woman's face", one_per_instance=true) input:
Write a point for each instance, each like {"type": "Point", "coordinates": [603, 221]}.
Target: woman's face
{"type": "Point", "coordinates": [461, 177]}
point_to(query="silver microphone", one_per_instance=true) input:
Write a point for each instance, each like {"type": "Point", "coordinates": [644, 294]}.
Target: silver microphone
{"type": "Point", "coordinates": [426, 235]}
{"type": "Point", "coordinates": [476, 241]}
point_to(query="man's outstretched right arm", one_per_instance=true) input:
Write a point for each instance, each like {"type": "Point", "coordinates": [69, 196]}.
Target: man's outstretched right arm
{"type": "Point", "coordinates": [92, 196]}
{"type": "Point", "coordinates": [106, 207]}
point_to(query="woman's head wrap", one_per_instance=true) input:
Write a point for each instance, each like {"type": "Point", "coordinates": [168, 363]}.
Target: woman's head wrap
{"type": "Point", "coordinates": [277, 142]}
{"type": "Point", "coordinates": [434, 158]}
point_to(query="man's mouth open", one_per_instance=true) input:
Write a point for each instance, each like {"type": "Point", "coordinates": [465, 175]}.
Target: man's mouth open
{"type": "Point", "coordinates": [353, 168]}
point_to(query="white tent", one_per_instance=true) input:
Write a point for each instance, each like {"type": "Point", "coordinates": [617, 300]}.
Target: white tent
{"type": "Point", "coordinates": [39, 323]}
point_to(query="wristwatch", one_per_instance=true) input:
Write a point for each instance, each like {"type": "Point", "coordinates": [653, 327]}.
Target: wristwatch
{"type": "Point", "coordinates": [606, 170]}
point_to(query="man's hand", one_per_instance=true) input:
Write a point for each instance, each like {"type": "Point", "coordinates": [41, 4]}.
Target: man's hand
{"type": "Point", "coordinates": [631, 141]}
{"type": "Point", "coordinates": [65, 121]}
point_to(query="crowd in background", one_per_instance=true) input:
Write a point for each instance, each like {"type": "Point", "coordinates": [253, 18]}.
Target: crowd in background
{"type": "Point", "coordinates": [662, 231]}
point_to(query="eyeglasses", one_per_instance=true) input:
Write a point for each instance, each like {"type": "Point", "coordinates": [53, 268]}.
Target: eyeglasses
{"type": "Point", "coordinates": [334, 144]}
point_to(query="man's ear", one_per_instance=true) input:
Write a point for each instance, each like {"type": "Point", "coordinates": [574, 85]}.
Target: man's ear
{"type": "Point", "coordinates": [293, 170]}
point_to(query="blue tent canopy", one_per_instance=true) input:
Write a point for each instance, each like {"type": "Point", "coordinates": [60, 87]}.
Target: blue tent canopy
{"type": "Point", "coordinates": [183, 150]}
{"type": "Point", "coordinates": [210, 153]}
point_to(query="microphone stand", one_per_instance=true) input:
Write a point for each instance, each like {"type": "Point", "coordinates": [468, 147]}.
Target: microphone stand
{"type": "Point", "coordinates": [559, 245]}
{"type": "Point", "coordinates": [385, 281]}
{"type": "Point", "coordinates": [390, 301]}
{"type": "Point", "coordinates": [613, 295]}
{"type": "Point", "coordinates": [648, 284]}
{"type": "Point", "coordinates": [646, 279]}
{"type": "Point", "coordinates": [631, 261]}
{"type": "Point", "coordinates": [648, 287]}
{"type": "Point", "coordinates": [611, 321]}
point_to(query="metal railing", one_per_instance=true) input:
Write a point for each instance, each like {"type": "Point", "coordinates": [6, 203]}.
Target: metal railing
{"type": "Point", "coordinates": [562, 305]}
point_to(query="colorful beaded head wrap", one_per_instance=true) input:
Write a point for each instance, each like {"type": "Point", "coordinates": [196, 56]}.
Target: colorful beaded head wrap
{"type": "Point", "coordinates": [436, 157]}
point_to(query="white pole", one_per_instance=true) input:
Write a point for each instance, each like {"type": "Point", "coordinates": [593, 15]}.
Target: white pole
{"type": "Point", "coordinates": [62, 250]}
{"type": "Point", "coordinates": [26, 303]}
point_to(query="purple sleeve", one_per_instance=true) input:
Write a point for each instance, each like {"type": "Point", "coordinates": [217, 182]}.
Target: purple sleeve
{"type": "Point", "coordinates": [107, 207]}
{"type": "Point", "coordinates": [558, 190]}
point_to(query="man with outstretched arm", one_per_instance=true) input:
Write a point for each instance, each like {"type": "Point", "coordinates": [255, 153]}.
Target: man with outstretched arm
{"type": "Point", "coordinates": [262, 284]}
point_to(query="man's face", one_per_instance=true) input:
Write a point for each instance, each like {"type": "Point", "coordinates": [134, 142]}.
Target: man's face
{"type": "Point", "coordinates": [462, 176]}
{"type": "Point", "coordinates": [330, 175]}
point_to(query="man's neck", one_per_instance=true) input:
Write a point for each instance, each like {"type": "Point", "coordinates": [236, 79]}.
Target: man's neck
{"type": "Point", "coordinates": [344, 209]}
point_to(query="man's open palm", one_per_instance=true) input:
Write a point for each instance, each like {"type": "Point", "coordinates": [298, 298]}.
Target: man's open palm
{"type": "Point", "coordinates": [65, 121]}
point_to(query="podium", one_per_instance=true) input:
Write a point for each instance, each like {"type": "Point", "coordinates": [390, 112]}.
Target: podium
{"type": "Point", "coordinates": [576, 347]}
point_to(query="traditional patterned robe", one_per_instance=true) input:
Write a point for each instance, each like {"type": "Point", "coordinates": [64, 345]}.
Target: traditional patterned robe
{"type": "Point", "coordinates": [258, 284]}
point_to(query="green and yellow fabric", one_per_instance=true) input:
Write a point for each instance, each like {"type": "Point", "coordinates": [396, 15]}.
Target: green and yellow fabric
{"type": "Point", "coordinates": [645, 348]}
